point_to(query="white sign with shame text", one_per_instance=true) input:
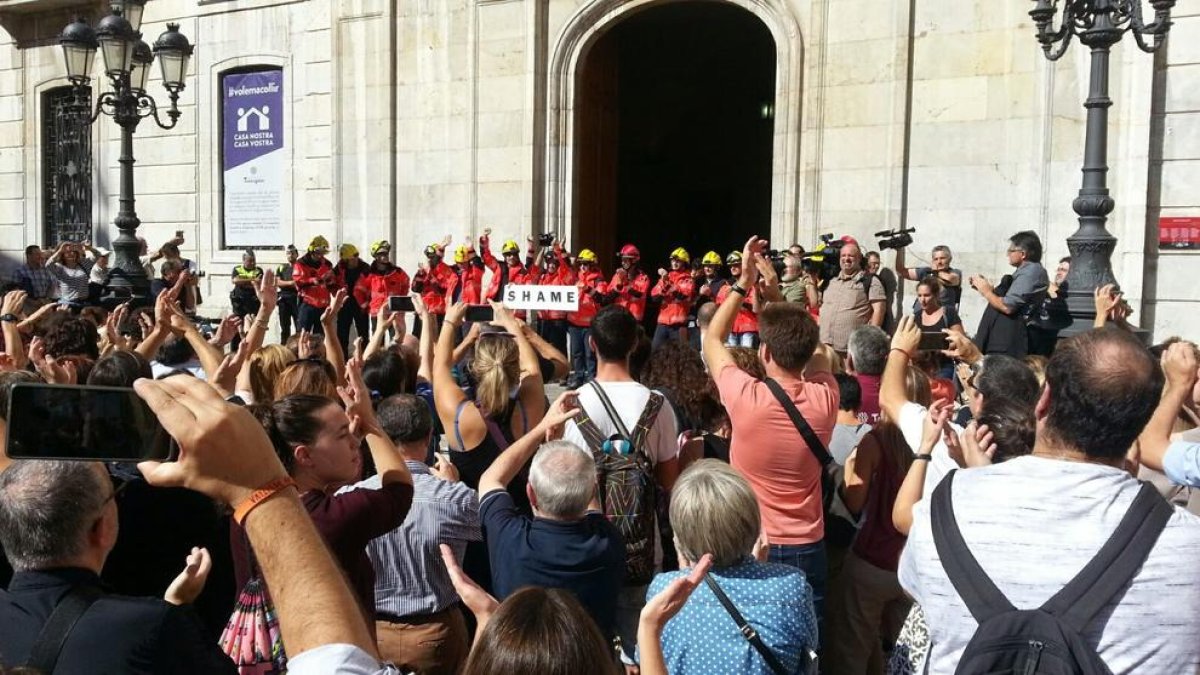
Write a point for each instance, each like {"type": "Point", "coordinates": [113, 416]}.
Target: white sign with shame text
{"type": "Point", "coordinates": [554, 298]}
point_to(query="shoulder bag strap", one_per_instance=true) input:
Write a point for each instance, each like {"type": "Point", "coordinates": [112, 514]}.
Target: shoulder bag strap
{"type": "Point", "coordinates": [43, 656]}
{"type": "Point", "coordinates": [810, 437]}
{"type": "Point", "coordinates": [611, 410]}
{"type": "Point", "coordinates": [745, 628]}
{"type": "Point", "coordinates": [1115, 565]}
{"type": "Point", "coordinates": [976, 589]}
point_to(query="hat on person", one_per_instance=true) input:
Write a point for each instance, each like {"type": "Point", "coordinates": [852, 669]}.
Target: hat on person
{"type": "Point", "coordinates": [462, 254]}
{"type": "Point", "coordinates": [347, 251]}
{"type": "Point", "coordinates": [711, 258]}
{"type": "Point", "coordinates": [379, 247]}
{"type": "Point", "coordinates": [101, 252]}
{"type": "Point", "coordinates": [433, 251]}
{"type": "Point", "coordinates": [734, 258]}
{"type": "Point", "coordinates": [318, 243]}
{"type": "Point", "coordinates": [290, 247]}
{"type": "Point", "coordinates": [681, 255]}
{"type": "Point", "coordinates": [630, 251]}
{"type": "Point", "coordinates": [510, 246]}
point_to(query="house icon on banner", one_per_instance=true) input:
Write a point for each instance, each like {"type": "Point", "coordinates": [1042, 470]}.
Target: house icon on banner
{"type": "Point", "coordinates": [264, 119]}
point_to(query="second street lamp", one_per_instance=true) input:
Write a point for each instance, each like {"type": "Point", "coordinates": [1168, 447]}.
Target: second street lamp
{"type": "Point", "coordinates": [127, 63]}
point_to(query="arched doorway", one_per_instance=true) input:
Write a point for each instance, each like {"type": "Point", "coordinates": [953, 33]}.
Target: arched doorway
{"type": "Point", "coordinates": [674, 132]}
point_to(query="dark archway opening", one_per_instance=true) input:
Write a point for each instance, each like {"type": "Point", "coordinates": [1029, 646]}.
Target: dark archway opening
{"type": "Point", "coordinates": [674, 132]}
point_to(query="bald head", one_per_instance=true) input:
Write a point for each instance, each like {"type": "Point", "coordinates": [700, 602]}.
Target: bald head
{"type": "Point", "coordinates": [1103, 386]}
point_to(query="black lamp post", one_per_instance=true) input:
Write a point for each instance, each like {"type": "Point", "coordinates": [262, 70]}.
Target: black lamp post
{"type": "Point", "coordinates": [1099, 24]}
{"type": "Point", "coordinates": [127, 61]}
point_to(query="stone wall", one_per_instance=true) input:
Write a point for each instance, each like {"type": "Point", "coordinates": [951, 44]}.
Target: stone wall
{"type": "Point", "coordinates": [412, 119]}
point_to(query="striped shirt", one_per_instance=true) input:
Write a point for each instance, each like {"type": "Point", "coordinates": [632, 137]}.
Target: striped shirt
{"type": "Point", "coordinates": [38, 283]}
{"type": "Point", "coordinates": [72, 282]}
{"type": "Point", "coordinates": [410, 578]}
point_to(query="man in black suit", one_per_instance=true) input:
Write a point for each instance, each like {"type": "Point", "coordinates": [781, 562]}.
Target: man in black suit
{"type": "Point", "coordinates": [58, 523]}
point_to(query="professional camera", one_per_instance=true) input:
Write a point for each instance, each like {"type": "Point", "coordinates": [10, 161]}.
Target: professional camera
{"type": "Point", "coordinates": [778, 261]}
{"type": "Point", "coordinates": [824, 259]}
{"type": "Point", "coordinates": [546, 240]}
{"type": "Point", "coordinates": [895, 239]}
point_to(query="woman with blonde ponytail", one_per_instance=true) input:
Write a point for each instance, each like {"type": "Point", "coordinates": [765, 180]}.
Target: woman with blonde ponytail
{"type": "Point", "coordinates": [508, 395]}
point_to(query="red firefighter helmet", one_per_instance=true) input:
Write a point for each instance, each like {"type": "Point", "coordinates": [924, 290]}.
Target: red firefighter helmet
{"type": "Point", "coordinates": [630, 251]}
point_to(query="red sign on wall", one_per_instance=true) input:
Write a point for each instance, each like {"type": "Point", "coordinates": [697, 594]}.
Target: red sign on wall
{"type": "Point", "coordinates": [1179, 233]}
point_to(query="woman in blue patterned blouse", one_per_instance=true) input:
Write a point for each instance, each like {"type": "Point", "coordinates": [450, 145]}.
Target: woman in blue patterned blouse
{"type": "Point", "coordinates": [714, 511]}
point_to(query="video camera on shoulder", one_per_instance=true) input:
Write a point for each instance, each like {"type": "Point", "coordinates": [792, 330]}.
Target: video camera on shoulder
{"type": "Point", "coordinates": [824, 258]}
{"type": "Point", "coordinates": [895, 239]}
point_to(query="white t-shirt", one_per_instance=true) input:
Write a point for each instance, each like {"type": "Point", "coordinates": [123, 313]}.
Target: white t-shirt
{"type": "Point", "coordinates": [338, 659]}
{"type": "Point", "coordinates": [629, 399]}
{"type": "Point", "coordinates": [193, 366]}
{"type": "Point", "coordinates": [912, 425]}
{"type": "Point", "coordinates": [1033, 523]}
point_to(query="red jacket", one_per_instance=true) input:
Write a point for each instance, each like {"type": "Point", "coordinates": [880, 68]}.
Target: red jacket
{"type": "Point", "coordinates": [311, 281]}
{"type": "Point", "coordinates": [676, 291]}
{"type": "Point", "coordinates": [746, 320]}
{"type": "Point", "coordinates": [588, 284]}
{"type": "Point", "coordinates": [630, 294]}
{"type": "Point", "coordinates": [561, 277]}
{"type": "Point", "coordinates": [435, 286]}
{"type": "Point", "coordinates": [495, 284]}
{"type": "Point", "coordinates": [372, 290]}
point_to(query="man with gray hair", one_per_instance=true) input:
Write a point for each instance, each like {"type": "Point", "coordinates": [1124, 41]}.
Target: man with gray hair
{"type": "Point", "coordinates": [866, 356]}
{"type": "Point", "coordinates": [950, 278]}
{"type": "Point", "coordinates": [58, 523]}
{"type": "Point", "coordinates": [568, 544]}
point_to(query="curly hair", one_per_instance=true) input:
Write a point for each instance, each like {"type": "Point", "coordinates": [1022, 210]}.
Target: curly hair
{"type": "Point", "coordinates": [677, 368]}
{"type": "Point", "coordinates": [73, 336]}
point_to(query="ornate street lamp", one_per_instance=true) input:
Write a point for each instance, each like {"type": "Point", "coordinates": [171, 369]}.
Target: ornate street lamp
{"type": "Point", "coordinates": [1099, 24]}
{"type": "Point", "coordinates": [127, 63]}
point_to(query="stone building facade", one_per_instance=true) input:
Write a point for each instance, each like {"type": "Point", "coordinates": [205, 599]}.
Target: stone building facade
{"type": "Point", "coordinates": [410, 119]}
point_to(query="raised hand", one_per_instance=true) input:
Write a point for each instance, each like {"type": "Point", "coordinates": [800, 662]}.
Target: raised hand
{"type": "Point", "coordinates": [978, 445]}
{"type": "Point", "coordinates": [663, 607]}
{"type": "Point", "coordinates": [266, 289]}
{"type": "Point", "coordinates": [188, 585]}
{"type": "Point", "coordinates": [14, 303]}
{"type": "Point", "coordinates": [907, 337]}
{"type": "Point", "coordinates": [335, 305]}
{"type": "Point", "coordinates": [481, 604]}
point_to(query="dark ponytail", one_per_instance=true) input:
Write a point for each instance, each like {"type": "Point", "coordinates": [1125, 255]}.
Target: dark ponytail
{"type": "Point", "coordinates": [291, 421]}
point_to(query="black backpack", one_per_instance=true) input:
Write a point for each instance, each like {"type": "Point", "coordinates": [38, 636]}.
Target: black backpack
{"type": "Point", "coordinates": [628, 489]}
{"type": "Point", "coordinates": [1047, 640]}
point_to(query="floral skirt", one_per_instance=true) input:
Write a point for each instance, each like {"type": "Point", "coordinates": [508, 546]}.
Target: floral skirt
{"type": "Point", "coordinates": [912, 646]}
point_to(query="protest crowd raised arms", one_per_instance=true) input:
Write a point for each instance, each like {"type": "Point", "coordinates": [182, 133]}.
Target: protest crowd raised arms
{"type": "Point", "coordinates": [593, 337]}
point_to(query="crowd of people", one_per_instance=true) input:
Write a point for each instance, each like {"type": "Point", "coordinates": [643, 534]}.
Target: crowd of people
{"type": "Point", "coordinates": [757, 463]}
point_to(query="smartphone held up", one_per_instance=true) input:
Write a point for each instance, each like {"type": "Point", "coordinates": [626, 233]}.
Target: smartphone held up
{"type": "Point", "coordinates": [51, 421]}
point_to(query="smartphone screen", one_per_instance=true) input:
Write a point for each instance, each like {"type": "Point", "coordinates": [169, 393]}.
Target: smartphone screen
{"type": "Point", "coordinates": [49, 421]}
{"type": "Point", "coordinates": [477, 313]}
{"type": "Point", "coordinates": [400, 303]}
{"type": "Point", "coordinates": [933, 342]}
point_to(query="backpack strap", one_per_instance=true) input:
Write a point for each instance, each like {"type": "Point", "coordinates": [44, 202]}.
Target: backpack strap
{"type": "Point", "coordinates": [649, 414]}
{"type": "Point", "coordinates": [974, 586]}
{"type": "Point", "coordinates": [806, 431]}
{"type": "Point", "coordinates": [611, 410]}
{"type": "Point", "coordinates": [1115, 565]}
{"type": "Point", "coordinates": [43, 655]}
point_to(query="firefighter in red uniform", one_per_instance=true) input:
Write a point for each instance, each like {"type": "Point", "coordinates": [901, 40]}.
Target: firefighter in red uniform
{"type": "Point", "coordinates": [745, 324]}
{"type": "Point", "coordinates": [384, 280]}
{"type": "Point", "coordinates": [515, 272]}
{"type": "Point", "coordinates": [590, 281]}
{"type": "Point", "coordinates": [434, 280]}
{"type": "Point", "coordinates": [552, 325]}
{"type": "Point", "coordinates": [630, 285]}
{"type": "Point", "coordinates": [675, 290]}
{"type": "Point", "coordinates": [315, 281]}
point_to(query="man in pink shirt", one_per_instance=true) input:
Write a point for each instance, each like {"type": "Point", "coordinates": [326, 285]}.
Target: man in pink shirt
{"type": "Point", "coordinates": [766, 446]}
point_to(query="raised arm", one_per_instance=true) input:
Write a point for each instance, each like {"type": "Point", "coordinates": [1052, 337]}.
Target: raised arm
{"type": "Point", "coordinates": [546, 351]}
{"type": "Point", "coordinates": [901, 270]}
{"type": "Point", "coordinates": [429, 335]}
{"type": "Point", "coordinates": [389, 463]}
{"type": "Point", "coordinates": [716, 354]}
{"type": "Point", "coordinates": [860, 468]}
{"type": "Point", "coordinates": [14, 304]}
{"type": "Point", "coordinates": [333, 347]}
{"type": "Point", "coordinates": [447, 395]}
{"type": "Point", "coordinates": [311, 597]}
{"type": "Point", "coordinates": [517, 455]}
{"type": "Point", "coordinates": [1179, 364]}
{"type": "Point", "coordinates": [892, 391]}
{"type": "Point", "coordinates": [913, 487]}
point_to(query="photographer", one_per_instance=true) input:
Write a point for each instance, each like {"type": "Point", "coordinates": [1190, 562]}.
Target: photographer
{"type": "Point", "coordinates": [853, 298]}
{"type": "Point", "coordinates": [949, 279]}
{"type": "Point", "coordinates": [797, 284]}
{"type": "Point", "coordinates": [1002, 329]}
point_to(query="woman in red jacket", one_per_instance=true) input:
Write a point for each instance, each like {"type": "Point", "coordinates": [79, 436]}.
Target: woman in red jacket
{"type": "Point", "coordinates": [315, 283]}
{"type": "Point", "coordinates": [590, 281]}
{"type": "Point", "coordinates": [384, 280]}
{"type": "Point", "coordinates": [675, 290]}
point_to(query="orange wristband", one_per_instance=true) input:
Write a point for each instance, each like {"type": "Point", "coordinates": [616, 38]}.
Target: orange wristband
{"type": "Point", "coordinates": [261, 495]}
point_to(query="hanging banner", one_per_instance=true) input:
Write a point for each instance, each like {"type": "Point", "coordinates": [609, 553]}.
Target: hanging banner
{"type": "Point", "coordinates": [1179, 233]}
{"type": "Point", "coordinates": [252, 129]}
{"type": "Point", "coordinates": [553, 298]}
